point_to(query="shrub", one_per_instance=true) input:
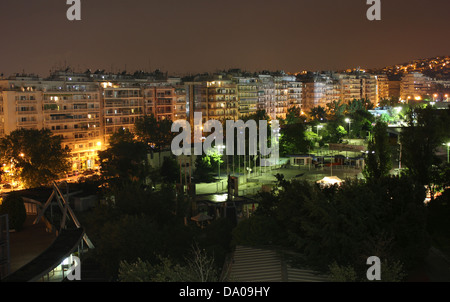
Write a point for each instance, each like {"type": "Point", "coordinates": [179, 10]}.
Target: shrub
{"type": "Point", "coordinates": [13, 206]}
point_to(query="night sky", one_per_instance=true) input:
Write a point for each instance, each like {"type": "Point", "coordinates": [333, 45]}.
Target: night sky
{"type": "Point", "coordinates": [182, 36]}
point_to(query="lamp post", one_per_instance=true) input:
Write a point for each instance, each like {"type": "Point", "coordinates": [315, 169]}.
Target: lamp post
{"type": "Point", "coordinates": [319, 127]}
{"type": "Point", "coordinates": [448, 152]}
{"type": "Point", "coordinates": [348, 121]}
{"type": "Point", "coordinates": [220, 149]}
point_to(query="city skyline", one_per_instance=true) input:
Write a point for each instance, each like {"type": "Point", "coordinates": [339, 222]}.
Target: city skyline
{"type": "Point", "coordinates": [199, 36]}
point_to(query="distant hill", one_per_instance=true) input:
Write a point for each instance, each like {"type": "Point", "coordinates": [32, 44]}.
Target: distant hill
{"type": "Point", "coordinates": [437, 67]}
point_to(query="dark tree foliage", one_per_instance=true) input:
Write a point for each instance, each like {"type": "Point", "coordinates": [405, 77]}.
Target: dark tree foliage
{"type": "Point", "coordinates": [155, 133]}
{"type": "Point", "coordinates": [379, 157]}
{"type": "Point", "coordinates": [292, 140]}
{"type": "Point", "coordinates": [439, 220]}
{"type": "Point", "coordinates": [428, 129]}
{"type": "Point", "coordinates": [294, 116]}
{"type": "Point", "coordinates": [37, 155]}
{"type": "Point", "coordinates": [347, 224]}
{"type": "Point", "coordinates": [125, 159]}
{"type": "Point", "coordinates": [170, 170]}
{"type": "Point", "coordinates": [204, 169]}
{"type": "Point", "coordinates": [318, 113]}
{"type": "Point", "coordinates": [14, 207]}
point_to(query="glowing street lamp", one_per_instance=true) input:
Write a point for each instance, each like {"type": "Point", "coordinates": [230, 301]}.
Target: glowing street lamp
{"type": "Point", "coordinates": [319, 127]}
{"type": "Point", "coordinates": [448, 152]}
{"type": "Point", "coordinates": [220, 148]}
{"type": "Point", "coordinates": [348, 121]}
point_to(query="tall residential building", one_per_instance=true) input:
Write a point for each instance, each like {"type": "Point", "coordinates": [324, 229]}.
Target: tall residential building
{"type": "Point", "coordinates": [222, 102]}
{"type": "Point", "coordinates": [85, 109]}
{"type": "Point", "coordinates": [180, 102]}
{"type": "Point", "coordinates": [76, 117]}
{"type": "Point", "coordinates": [414, 86]}
{"type": "Point", "coordinates": [394, 89]}
{"type": "Point", "coordinates": [323, 88]}
{"type": "Point", "coordinates": [266, 95]}
{"type": "Point", "coordinates": [247, 95]}
{"type": "Point", "coordinates": [295, 90]}
{"type": "Point", "coordinates": [383, 87]}
{"type": "Point", "coordinates": [67, 105]}
{"type": "Point", "coordinates": [122, 105]}
{"type": "Point", "coordinates": [320, 90]}
{"type": "Point", "coordinates": [358, 86]}
{"type": "Point", "coordinates": [160, 102]}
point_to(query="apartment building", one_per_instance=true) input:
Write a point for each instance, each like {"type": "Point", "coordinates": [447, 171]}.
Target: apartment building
{"type": "Point", "coordinates": [394, 89]}
{"type": "Point", "coordinates": [70, 107]}
{"type": "Point", "coordinates": [414, 86]}
{"type": "Point", "coordinates": [295, 90]}
{"type": "Point", "coordinates": [247, 94]}
{"type": "Point", "coordinates": [324, 88]}
{"type": "Point", "coordinates": [85, 109]}
{"type": "Point", "coordinates": [320, 90]}
{"type": "Point", "coordinates": [76, 116]}
{"type": "Point", "coordinates": [222, 100]}
{"type": "Point", "coordinates": [266, 95]}
{"type": "Point", "coordinates": [160, 102]}
{"type": "Point", "coordinates": [122, 105]}
{"type": "Point", "coordinates": [383, 87]}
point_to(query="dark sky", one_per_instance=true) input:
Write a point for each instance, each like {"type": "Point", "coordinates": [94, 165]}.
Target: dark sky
{"type": "Point", "coordinates": [183, 36]}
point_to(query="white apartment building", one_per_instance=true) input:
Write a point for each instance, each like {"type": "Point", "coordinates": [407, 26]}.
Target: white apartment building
{"type": "Point", "coordinates": [320, 91]}
{"type": "Point", "coordinates": [325, 88]}
{"type": "Point", "coordinates": [382, 87]}
{"type": "Point", "coordinates": [414, 86]}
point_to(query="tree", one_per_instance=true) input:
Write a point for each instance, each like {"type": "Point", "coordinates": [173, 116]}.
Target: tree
{"type": "Point", "coordinates": [36, 156]}
{"type": "Point", "coordinates": [170, 170]}
{"type": "Point", "coordinates": [293, 116]}
{"type": "Point", "coordinates": [203, 169]}
{"type": "Point", "coordinates": [292, 140]}
{"type": "Point", "coordinates": [199, 267]}
{"type": "Point", "coordinates": [125, 158]}
{"type": "Point", "coordinates": [428, 129]}
{"type": "Point", "coordinates": [379, 155]}
{"type": "Point", "coordinates": [14, 207]}
{"type": "Point", "coordinates": [318, 114]}
{"type": "Point", "coordinates": [336, 109]}
{"type": "Point", "coordinates": [348, 224]}
{"type": "Point", "coordinates": [361, 123]}
{"type": "Point", "coordinates": [156, 134]}
{"type": "Point", "coordinates": [340, 133]}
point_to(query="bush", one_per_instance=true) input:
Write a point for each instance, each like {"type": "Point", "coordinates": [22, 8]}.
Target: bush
{"type": "Point", "coordinates": [13, 206]}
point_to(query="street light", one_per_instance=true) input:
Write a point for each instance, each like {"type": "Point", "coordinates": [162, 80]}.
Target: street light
{"type": "Point", "coordinates": [448, 152]}
{"type": "Point", "coordinates": [319, 127]}
{"type": "Point", "coordinates": [349, 121]}
{"type": "Point", "coordinates": [220, 148]}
